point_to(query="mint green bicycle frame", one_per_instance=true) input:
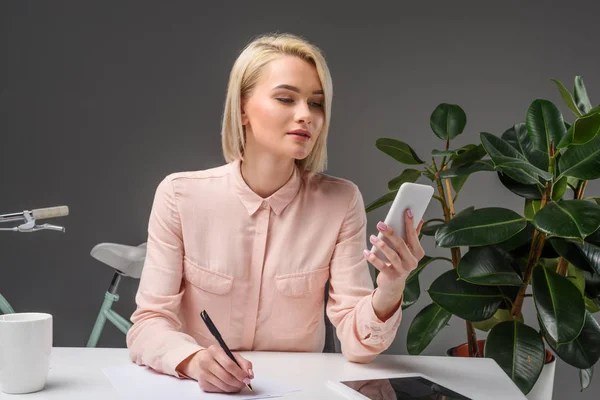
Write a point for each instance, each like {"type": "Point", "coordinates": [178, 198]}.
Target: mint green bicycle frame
{"type": "Point", "coordinates": [107, 313]}
{"type": "Point", "coordinates": [5, 307]}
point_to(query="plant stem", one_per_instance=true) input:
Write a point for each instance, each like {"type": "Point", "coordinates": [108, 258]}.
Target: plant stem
{"type": "Point", "coordinates": [580, 189]}
{"type": "Point", "coordinates": [535, 251]}
{"type": "Point", "coordinates": [537, 245]}
{"type": "Point", "coordinates": [563, 267]}
{"type": "Point", "coordinates": [456, 256]}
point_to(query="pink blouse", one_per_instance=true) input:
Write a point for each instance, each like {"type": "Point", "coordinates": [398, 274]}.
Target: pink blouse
{"type": "Point", "coordinates": [257, 266]}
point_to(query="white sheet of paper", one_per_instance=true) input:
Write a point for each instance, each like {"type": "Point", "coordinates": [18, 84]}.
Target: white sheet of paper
{"type": "Point", "coordinates": [137, 382]}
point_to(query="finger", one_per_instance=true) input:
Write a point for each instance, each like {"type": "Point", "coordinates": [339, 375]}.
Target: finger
{"type": "Point", "coordinates": [399, 244]}
{"type": "Point", "coordinates": [222, 386]}
{"type": "Point", "coordinates": [412, 236]}
{"type": "Point", "coordinates": [376, 261]}
{"type": "Point", "coordinates": [246, 365]}
{"type": "Point", "coordinates": [231, 367]}
{"type": "Point", "coordinates": [419, 227]}
{"type": "Point", "coordinates": [391, 236]}
{"type": "Point", "coordinates": [224, 376]}
{"type": "Point", "coordinates": [208, 387]}
{"type": "Point", "coordinates": [387, 251]}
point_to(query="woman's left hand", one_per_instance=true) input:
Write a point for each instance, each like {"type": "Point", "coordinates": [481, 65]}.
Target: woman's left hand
{"type": "Point", "coordinates": [392, 276]}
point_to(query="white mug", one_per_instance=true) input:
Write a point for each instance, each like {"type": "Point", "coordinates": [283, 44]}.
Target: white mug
{"type": "Point", "coordinates": [25, 346]}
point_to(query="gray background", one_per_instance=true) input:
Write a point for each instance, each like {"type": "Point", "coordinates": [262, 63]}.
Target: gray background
{"type": "Point", "coordinates": [100, 100]}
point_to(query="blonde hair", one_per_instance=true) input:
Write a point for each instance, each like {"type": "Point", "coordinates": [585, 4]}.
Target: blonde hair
{"type": "Point", "coordinates": [245, 75]}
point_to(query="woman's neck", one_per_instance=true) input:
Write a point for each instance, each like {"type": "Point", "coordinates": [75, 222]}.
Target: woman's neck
{"type": "Point", "coordinates": [265, 175]}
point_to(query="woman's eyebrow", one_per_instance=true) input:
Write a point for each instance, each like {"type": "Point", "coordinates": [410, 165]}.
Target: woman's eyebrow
{"type": "Point", "coordinates": [294, 89]}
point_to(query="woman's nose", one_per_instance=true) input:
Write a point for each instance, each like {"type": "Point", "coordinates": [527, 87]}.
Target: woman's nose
{"type": "Point", "coordinates": [303, 114]}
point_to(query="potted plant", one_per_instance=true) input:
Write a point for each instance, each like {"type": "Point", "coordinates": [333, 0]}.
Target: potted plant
{"type": "Point", "coordinates": [548, 254]}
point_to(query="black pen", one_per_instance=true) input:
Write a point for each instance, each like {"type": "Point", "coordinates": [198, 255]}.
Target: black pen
{"type": "Point", "coordinates": [215, 332]}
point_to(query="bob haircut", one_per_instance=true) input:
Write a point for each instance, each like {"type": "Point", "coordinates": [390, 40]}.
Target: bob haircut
{"type": "Point", "coordinates": [245, 75]}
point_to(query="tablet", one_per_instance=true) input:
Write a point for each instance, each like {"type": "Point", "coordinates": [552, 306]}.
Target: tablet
{"type": "Point", "coordinates": [399, 388]}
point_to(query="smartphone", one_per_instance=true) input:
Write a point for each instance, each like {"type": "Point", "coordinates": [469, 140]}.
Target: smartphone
{"type": "Point", "coordinates": [410, 195]}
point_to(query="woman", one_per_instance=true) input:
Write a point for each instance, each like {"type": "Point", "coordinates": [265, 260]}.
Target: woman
{"type": "Point", "coordinates": [253, 242]}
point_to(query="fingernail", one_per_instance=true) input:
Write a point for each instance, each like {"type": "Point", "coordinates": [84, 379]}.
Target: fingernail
{"type": "Point", "coordinates": [367, 253]}
{"type": "Point", "coordinates": [246, 380]}
{"type": "Point", "coordinates": [381, 226]}
{"type": "Point", "coordinates": [409, 212]}
{"type": "Point", "coordinates": [251, 373]}
{"type": "Point", "coordinates": [374, 239]}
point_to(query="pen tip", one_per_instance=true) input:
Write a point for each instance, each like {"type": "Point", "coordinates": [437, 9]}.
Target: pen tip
{"type": "Point", "coordinates": [250, 387]}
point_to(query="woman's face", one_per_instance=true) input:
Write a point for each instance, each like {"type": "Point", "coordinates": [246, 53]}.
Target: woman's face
{"type": "Point", "coordinates": [284, 113]}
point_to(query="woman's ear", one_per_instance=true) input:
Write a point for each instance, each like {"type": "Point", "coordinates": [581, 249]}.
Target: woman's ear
{"type": "Point", "coordinates": [243, 112]}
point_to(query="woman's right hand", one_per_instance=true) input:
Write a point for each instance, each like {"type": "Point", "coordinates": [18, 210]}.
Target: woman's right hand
{"type": "Point", "coordinates": [216, 372]}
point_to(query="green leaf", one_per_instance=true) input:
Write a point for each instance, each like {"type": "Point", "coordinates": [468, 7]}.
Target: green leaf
{"type": "Point", "coordinates": [574, 219]}
{"type": "Point", "coordinates": [488, 266]}
{"type": "Point", "coordinates": [592, 305]}
{"type": "Point", "coordinates": [566, 140]}
{"type": "Point", "coordinates": [430, 227]}
{"type": "Point", "coordinates": [480, 228]}
{"type": "Point", "coordinates": [581, 97]}
{"type": "Point", "coordinates": [582, 254]}
{"type": "Point", "coordinates": [521, 170]}
{"type": "Point", "coordinates": [497, 147]}
{"type": "Point", "coordinates": [398, 150]}
{"type": "Point", "coordinates": [575, 275]}
{"type": "Point", "coordinates": [582, 162]}
{"type": "Point", "coordinates": [408, 175]}
{"type": "Point", "coordinates": [592, 285]}
{"type": "Point", "coordinates": [559, 189]}
{"type": "Point", "coordinates": [517, 240]}
{"type": "Point", "coordinates": [519, 138]}
{"type": "Point", "coordinates": [545, 125]}
{"type": "Point", "coordinates": [383, 200]}
{"type": "Point", "coordinates": [442, 153]}
{"type": "Point", "coordinates": [531, 208]}
{"type": "Point", "coordinates": [448, 121]}
{"type": "Point", "coordinates": [412, 289]}
{"type": "Point", "coordinates": [508, 160]}
{"type": "Point", "coordinates": [412, 292]}
{"type": "Point", "coordinates": [559, 304]}
{"type": "Point", "coordinates": [467, 169]}
{"type": "Point", "coordinates": [519, 351]}
{"type": "Point", "coordinates": [586, 128]}
{"type": "Point", "coordinates": [463, 299]}
{"type": "Point", "coordinates": [520, 189]}
{"type": "Point", "coordinates": [424, 327]}
{"type": "Point", "coordinates": [584, 351]}
{"type": "Point", "coordinates": [596, 199]}
{"type": "Point", "coordinates": [567, 98]}
{"type": "Point", "coordinates": [501, 315]}
{"type": "Point", "coordinates": [467, 154]}
{"type": "Point", "coordinates": [585, 377]}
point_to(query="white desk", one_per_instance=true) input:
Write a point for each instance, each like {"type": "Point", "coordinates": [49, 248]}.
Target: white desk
{"type": "Point", "coordinates": [76, 373]}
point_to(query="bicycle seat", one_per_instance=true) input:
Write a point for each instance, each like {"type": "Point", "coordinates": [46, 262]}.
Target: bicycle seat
{"type": "Point", "coordinates": [128, 260]}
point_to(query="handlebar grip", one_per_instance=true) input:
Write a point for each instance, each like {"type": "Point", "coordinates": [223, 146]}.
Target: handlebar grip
{"type": "Point", "coordinates": [50, 212]}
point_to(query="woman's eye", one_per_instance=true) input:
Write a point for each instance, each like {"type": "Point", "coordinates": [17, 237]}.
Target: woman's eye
{"type": "Point", "coordinates": [283, 100]}
{"type": "Point", "coordinates": [315, 104]}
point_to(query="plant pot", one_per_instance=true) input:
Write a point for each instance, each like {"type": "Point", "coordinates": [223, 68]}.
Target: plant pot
{"type": "Point", "coordinates": [543, 388]}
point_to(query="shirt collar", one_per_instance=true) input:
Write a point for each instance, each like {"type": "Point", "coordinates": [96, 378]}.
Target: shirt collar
{"type": "Point", "coordinates": [278, 201]}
